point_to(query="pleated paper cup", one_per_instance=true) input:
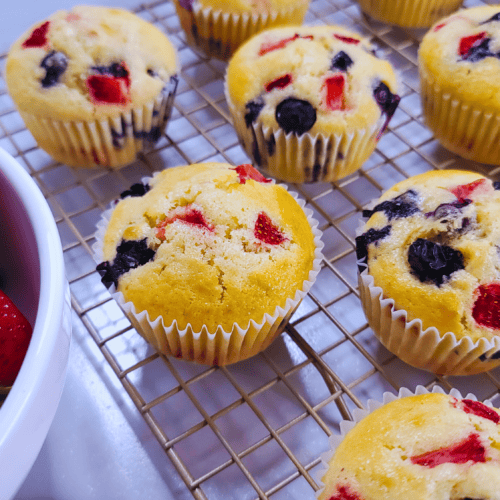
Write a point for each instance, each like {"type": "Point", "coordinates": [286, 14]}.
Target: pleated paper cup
{"type": "Point", "coordinates": [359, 414]}
{"type": "Point", "coordinates": [409, 13]}
{"type": "Point", "coordinates": [218, 34]}
{"type": "Point", "coordinates": [464, 129]}
{"type": "Point", "coordinates": [219, 347]}
{"type": "Point", "coordinates": [107, 143]}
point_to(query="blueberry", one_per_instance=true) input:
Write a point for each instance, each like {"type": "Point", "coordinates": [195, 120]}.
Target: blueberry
{"type": "Point", "coordinates": [371, 236]}
{"type": "Point", "coordinates": [55, 64]}
{"type": "Point", "coordinates": [495, 17]}
{"type": "Point", "coordinates": [432, 262]}
{"type": "Point", "coordinates": [449, 209]}
{"type": "Point", "coordinates": [253, 110]}
{"type": "Point", "coordinates": [129, 255]}
{"type": "Point", "coordinates": [403, 205]}
{"type": "Point", "coordinates": [295, 115]}
{"type": "Point", "coordinates": [478, 52]}
{"type": "Point", "coordinates": [137, 189]}
{"type": "Point", "coordinates": [118, 70]}
{"type": "Point", "coordinates": [341, 62]}
{"type": "Point", "coordinates": [387, 101]}
{"type": "Point", "coordinates": [496, 185]}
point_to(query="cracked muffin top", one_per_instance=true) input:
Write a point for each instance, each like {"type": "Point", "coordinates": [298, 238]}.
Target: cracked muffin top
{"type": "Point", "coordinates": [207, 244]}
{"type": "Point", "coordinates": [424, 447]}
{"type": "Point", "coordinates": [89, 63]}
{"type": "Point", "coordinates": [432, 243]}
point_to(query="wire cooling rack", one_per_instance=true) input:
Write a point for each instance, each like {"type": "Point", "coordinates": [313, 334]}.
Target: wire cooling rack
{"type": "Point", "coordinates": [255, 429]}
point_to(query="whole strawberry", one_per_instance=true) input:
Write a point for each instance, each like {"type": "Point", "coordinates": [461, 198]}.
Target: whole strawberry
{"type": "Point", "coordinates": [15, 336]}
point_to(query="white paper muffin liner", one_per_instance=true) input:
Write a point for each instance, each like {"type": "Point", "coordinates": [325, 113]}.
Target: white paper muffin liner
{"type": "Point", "coordinates": [409, 13]}
{"type": "Point", "coordinates": [358, 414]}
{"type": "Point", "coordinates": [107, 143]}
{"type": "Point", "coordinates": [219, 33]}
{"type": "Point", "coordinates": [222, 347]}
{"type": "Point", "coordinates": [464, 129]}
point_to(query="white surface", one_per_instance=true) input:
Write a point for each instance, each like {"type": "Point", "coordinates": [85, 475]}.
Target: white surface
{"type": "Point", "coordinates": [33, 273]}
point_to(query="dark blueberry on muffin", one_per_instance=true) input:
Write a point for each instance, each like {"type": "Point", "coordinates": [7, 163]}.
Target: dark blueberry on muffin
{"type": "Point", "coordinates": [129, 255]}
{"type": "Point", "coordinates": [495, 17]}
{"type": "Point", "coordinates": [448, 210]}
{"type": "Point", "coordinates": [118, 70]}
{"type": "Point", "coordinates": [387, 101]}
{"type": "Point", "coordinates": [137, 189]}
{"type": "Point", "coordinates": [403, 205]}
{"type": "Point", "coordinates": [253, 110]}
{"type": "Point", "coordinates": [54, 64]}
{"type": "Point", "coordinates": [341, 62]}
{"type": "Point", "coordinates": [295, 115]}
{"type": "Point", "coordinates": [371, 236]}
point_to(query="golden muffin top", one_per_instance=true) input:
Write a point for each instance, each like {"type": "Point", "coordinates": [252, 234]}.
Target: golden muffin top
{"type": "Point", "coordinates": [460, 53]}
{"type": "Point", "coordinates": [424, 447]}
{"type": "Point", "coordinates": [431, 244]}
{"type": "Point", "coordinates": [326, 77]}
{"type": "Point", "coordinates": [208, 244]}
{"type": "Point", "coordinates": [257, 6]}
{"type": "Point", "coordinates": [89, 63]}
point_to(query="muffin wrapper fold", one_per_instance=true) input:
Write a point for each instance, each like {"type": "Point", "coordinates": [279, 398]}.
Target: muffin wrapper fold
{"type": "Point", "coordinates": [305, 158]}
{"type": "Point", "coordinates": [358, 414]}
{"type": "Point", "coordinates": [464, 129]}
{"type": "Point", "coordinates": [112, 142]}
{"type": "Point", "coordinates": [410, 14]}
{"type": "Point", "coordinates": [222, 347]}
{"type": "Point", "coordinates": [219, 33]}
{"type": "Point", "coordinates": [426, 349]}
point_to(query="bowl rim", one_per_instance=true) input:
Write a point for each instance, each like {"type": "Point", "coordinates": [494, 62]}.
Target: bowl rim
{"type": "Point", "coordinates": [21, 400]}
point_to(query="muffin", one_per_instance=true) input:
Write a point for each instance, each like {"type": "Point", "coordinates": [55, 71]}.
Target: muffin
{"type": "Point", "coordinates": [427, 446]}
{"type": "Point", "coordinates": [94, 85]}
{"type": "Point", "coordinates": [309, 103]}
{"type": "Point", "coordinates": [219, 27]}
{"type": "Point", "coordinates": [208, 260]}
{"type": "Point", "coordinates": [459, 68]}
{"type": "Point", "coordinates": [430, 271]}
{"type": "Point", "coordinates": [409, 13]}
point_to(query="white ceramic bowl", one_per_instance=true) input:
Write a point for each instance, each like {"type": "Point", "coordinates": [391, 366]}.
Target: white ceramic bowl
{"type": "Point", "coordinates": [32, 275]}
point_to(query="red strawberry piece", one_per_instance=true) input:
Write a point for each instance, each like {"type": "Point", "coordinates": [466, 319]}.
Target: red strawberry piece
{"type": "Point", "coordinates": [107, 89]}
{"type": "Point", "coordinates": [38, 37]}
{"type": "Point", "coordinates": [335, 92]}
{"type": "Point", "coordinates": [346, 39]}
{"type": "Point", "coordinates": [477, 408]}
{"type": "Point", "coordinates": [188, 215]}
{"type": "Point", "coordinates": [439, 26]}
{"type": "Point", "coordinates": [344, 493]}
{"type": "Point", "coordinates": [468, 42]}
{"type": "Point", "coordinates": [267, 232]}
{"type": "Point", "coordinates": [279, 83]}
{"type": "Point", "coordinates": [486, 308]}
{"type": "Point", "coordinates": [470, 449]}
{"type": "Point", "coordinates": [15, 336]}
{"type": "Point", "coordinates": [246, 172]}
{"type": "Point", "coordinates": [465, 191]}
{"type": "Point", "coordinates": [270, 46]}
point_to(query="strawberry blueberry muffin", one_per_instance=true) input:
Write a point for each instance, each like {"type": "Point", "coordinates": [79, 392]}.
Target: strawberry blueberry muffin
{"type": "Point", "coordinates": [309, 103]}
{"type": "Point", "coordinates": [94, 85]}
{"type": "Point", "coordinates": [409, 13]}
{"type": "Point", "coordinates": [429, 446]}
{"type": "Point", "coordinates": [430, 271]}
{"type": "Point", "coordinates": [209, 260]}
{"type": "Point", "coordinates": [459, 65]}
{"type": "Point", "coordinates": [218, 27]}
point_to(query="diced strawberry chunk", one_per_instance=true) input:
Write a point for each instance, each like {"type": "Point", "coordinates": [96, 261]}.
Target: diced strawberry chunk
{"type": "Point", "coordinates": [267, 232]}
{"type": "Point", "coordinates": [347, 39]}
{"type": "Point", "coordinates": [279, 83]}
{"type": "Point", "coordinates": [468, 42]}
{"type": "Point", "coordinates": [38, 37]}
{"type": "Point", "coordinates": [439, 26]}
{"type": "Point", "coordinates": [486, 308]}
{"type": "Point", "coordinates": [246, 172]}
{"type": "Point", "coordinates": [470, 449]}
{"type": "Point", "coordinates": [335, 92]}
{"type": "Point", "coordinates": [188, 215]}
{"type": "Point", "coordinates": [477, 408]}
{"type": "Point", "coordinates": [465, 191]}
{"type": "Point", "coordinates": [344, 493]}
{"type": "Point", "coordinates": [107, 89]}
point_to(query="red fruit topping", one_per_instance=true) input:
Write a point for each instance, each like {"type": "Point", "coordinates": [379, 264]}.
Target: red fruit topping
{"type": "Point", "coordinates": [479, 409]}
{"type": "Point", "coordinates": [246, 171]}
{"type": "Point", "coordinates": [38, 37]}
{"type": "Point", "coordinates": [108, 89]}
{"type": "Point", "coordinates": [347, 39]}
{"type": "Point", "coordinates": [279, 83]}
{"type": "Point", "coordinates": [465, 190]}
{"type": "Point", "coordinates": [267, 232]}
{"type": "Point", "coordinates": [344, 493]}
{"type": "Point", "coordinates": [335, 92]}
{"type": "Point", "coordinates": [281, 44]}
{"type": "Point", "coordinates": [188, 215]}
{"type": "Point", "coordinates": [439, 26]}
{"type": "Point", "coordinates": [73, 17]}
{"type": "Point", "coordinates": [468, 42]}
{"type": "Point", "coordinates": [470, 449]}
{"type": "Point", "coordinates": [15, 336]}
{"type": "Point", "coordinates": [486, 308]}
